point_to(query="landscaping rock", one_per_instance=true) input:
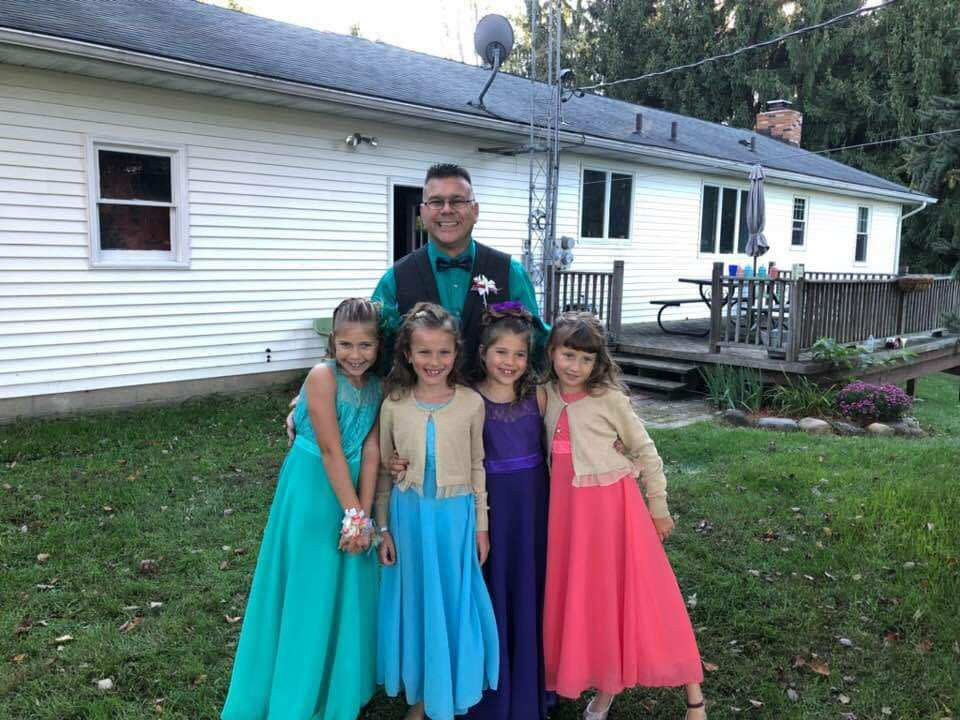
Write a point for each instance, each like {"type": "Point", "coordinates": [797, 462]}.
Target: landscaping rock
{"type": "Point", "coordinates": [815, 426]}
{"type": "Point", "coordinates": [842, 427]}
{"type": "Point", "coordinates": [879, 429]}
{"type": "Point", "coordinates": [737, 418]}
{"type": "Point", "coordinates": [908, 427]}
{"type": "Point", "coordinates": [782, 424]}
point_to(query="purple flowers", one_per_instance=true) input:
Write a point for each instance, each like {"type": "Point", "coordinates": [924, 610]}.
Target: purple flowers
{"type": "Point", "coordinates": [868, 403]}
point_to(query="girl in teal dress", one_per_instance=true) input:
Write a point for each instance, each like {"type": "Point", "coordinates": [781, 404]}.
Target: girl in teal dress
{"type": "Point", "coordinates": [306, 650]}
{"type": "Point", "coordinates": [437, 634]}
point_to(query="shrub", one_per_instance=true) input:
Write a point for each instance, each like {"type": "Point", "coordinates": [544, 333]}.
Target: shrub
{"type": "Point", "coordinates": [736, 388]}
{"type": "Point", "coordinates": [802, 396]}
{"type": "Point", "coordinates": [868, 403]}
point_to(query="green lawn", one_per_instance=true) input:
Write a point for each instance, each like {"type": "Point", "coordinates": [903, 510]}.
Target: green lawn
{"type": "Point", "coordinates": [805, 554]}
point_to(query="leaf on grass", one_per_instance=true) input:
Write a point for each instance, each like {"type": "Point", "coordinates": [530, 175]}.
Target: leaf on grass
{"type": "Point", "coordinates": [155, 605]}
{"type": "Point", "coordinates": [709, 666]}
{"type": "Point", "coordinates": [105, 684]}
{"type": "Point", "coordinates": [17, 659]}
{"type": "Point", "coordinates": [158, 705]}
{"type": "Point", "coordinates": [846, 642]}
{"type": "Point", "coordinates": [819, 667]}
{"type": "Point", "coordinates": [925, 646]}
{"type": "Point", "coordinates": [23, 626]}
{"type": "Point", "coordinates": [792, 695]}
{"type": "Point", "coordinates": [798, 662]}
{"type": "Point", "coordinates": [224, 564]}
{"type": "Point", "coordinates": [148, 566]}
{"type": "Point", "coordinates": [233, 619]}
{"type": "Point", "coordinates": [131, 624]}
{"type": "Point", "coordinates": [756, 703]}
{"type": "Point", "coordinates": [844, 699]}
{"type": "Point", "coordinates": [890, 637]}
{"type": "Point", "coordinates": [199, 679]}
{"type": "Point", "coordinates": [43, 557]}
{"type": "Point", "coordinates": [63, 639]}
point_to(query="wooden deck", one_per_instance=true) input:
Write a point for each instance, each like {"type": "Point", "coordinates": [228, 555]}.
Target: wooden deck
{"type": "Point", "coordinates": [647, 340]}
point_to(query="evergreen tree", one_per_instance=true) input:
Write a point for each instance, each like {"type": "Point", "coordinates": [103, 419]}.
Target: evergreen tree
{"type": "Point", "coordinates": [855, 82]}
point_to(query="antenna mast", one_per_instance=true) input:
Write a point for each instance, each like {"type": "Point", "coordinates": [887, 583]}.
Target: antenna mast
{"type": "Point", "coordinates": [545, 100]}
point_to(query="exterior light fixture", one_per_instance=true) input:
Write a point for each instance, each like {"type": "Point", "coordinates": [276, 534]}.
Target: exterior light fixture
{"type": "Point", "coordinates": [356, 139]}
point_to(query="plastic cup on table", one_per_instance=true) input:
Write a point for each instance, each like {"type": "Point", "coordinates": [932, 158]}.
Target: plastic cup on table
{"type": "Point", "coordinates": [748, 271]}
{"type": "Point", "coordinates": [762, 271]}
{"type": "Point", "coordinates": [732, 269]}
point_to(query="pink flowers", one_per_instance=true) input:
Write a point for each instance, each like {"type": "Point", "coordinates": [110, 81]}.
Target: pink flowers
{"type": "Point", "coordinates": [865, 402]}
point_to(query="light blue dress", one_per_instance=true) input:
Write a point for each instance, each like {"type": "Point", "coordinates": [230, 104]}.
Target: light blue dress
{"type": "Point", "coordinates": [437, 632]}
{"type": "Point", "coordinates": [308, 643]}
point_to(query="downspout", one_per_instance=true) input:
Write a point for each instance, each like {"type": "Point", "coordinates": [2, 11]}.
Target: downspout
{"type": "Point", "coordinates": [896, 262]}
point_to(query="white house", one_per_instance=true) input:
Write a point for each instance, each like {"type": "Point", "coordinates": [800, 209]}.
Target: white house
{"type": "Point", "coordinates": [177, 202]}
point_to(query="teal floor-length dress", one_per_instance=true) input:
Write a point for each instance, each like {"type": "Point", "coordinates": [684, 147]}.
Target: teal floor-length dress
{"type": "Point", "coordinates": [308, 643]}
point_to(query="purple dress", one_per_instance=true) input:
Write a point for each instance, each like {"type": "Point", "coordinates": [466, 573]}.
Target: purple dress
{"type": "Point", "coordinates": [515, 571]}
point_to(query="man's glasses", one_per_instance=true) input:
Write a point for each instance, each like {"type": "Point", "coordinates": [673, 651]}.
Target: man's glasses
{"type": "Point", "coordinates": [456, 203]}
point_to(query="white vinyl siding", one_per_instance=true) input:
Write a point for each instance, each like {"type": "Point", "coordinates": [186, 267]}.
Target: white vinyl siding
{"type": "Point", "coordinates": [285, 220]}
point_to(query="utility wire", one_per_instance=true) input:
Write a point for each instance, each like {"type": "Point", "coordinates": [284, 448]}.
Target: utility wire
{"type": "Point", "coordinates": [862, 145]}
{"type": "Point", "coordinates": [740, 51]}
{"type": "Point", "coordinates": [800, 152]}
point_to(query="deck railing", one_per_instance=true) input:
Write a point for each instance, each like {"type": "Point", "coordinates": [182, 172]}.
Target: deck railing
{"type": "Point", "coordinates": [788, 315]}
{"type": "Point", "coordinates": [598, 292]}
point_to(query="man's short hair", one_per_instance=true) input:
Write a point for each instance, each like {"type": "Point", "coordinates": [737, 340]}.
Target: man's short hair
{"type": "Point", "coordinates": [447, 170]}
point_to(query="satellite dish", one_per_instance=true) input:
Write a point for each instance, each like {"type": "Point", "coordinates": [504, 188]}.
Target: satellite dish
{"type": "Point", "coordinates": [493, 33]}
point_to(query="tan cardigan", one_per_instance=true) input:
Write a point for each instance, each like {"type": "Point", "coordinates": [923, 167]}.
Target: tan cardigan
{"type": "Point", "coordinates": [459, 449]}
{"type": "Point", "coordinates": [596, 422]}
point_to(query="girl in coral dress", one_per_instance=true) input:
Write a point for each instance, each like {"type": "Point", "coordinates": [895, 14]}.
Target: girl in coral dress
{"type": "Point", "coordinates": [614, 617]}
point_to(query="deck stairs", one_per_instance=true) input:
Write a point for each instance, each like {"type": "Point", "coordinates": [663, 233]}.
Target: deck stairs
{"type": "Point", "coordinates": [651, 373]}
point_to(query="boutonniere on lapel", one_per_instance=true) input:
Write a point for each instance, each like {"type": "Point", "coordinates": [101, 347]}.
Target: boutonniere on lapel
{"type": "Point", "coordinates": [483, 286]}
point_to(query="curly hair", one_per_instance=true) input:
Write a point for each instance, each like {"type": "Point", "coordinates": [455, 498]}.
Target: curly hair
{"type": "Point", "coordinates": [582, 331]}
{"type": "Point", "coordinates": [356, 310]}
{"type": "Point", "coordinates": [403, 377]}
{"type": "Point", "coordinates": [497, 321]}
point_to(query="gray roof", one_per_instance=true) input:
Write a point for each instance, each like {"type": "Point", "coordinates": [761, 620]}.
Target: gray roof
{"type": "Point", "coordinates": [209, 35]}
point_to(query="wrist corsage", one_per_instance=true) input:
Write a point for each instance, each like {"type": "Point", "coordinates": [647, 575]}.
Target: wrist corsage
{"type": "Point", "coordinates": [355, 524]}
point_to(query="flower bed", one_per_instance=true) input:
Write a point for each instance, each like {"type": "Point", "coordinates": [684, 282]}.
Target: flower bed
{"type": "Point", "coordinates": [865, 403]}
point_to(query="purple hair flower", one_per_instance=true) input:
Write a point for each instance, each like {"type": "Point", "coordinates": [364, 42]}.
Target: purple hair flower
{"type": "Point", "coordinates": [507, 306]}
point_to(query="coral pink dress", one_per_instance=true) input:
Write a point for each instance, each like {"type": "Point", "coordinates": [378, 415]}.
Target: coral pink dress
{"type": "Point", "coordinates": [613, 614]}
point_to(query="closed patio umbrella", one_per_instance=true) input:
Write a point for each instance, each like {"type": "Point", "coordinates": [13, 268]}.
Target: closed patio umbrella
{"type": "Point", "coordinates": [756, 212]}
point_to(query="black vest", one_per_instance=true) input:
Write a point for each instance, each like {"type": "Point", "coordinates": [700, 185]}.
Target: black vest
{"type": "Point", "coordinates": [416, 283]}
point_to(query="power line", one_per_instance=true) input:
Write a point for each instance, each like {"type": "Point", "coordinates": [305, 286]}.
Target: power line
{"type": "Point", "coordinates": [740, 51]}
{"type": "Point", "coordinates": [862, 145]}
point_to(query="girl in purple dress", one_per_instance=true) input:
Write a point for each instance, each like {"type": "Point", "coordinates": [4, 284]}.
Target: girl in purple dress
{"type": "Point", "coordinates": [517, 487]}
{"type": "Point", "coordinates": [517, 491]}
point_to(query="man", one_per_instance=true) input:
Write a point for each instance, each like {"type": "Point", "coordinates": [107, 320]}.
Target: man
{"type": "Point", "coordinates": [447, 268]}
{"type": "Point", "coordinates": [444, 270]}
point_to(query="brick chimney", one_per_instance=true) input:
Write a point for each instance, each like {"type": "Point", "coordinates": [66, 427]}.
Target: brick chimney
{"type": "Point", "coordinates": [781, 122]}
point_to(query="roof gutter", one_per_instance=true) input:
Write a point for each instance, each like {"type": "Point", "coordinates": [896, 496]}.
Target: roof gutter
{"type": "Point", "coordinates": [673, 158]}
{"type": "Point", "coordinates": [923, 206]}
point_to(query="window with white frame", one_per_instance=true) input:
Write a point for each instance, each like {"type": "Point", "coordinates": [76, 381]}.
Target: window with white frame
{"type": "Point", "coordinates": [723, 220]}
{"type": "Point", "coordinates": [798, 237]}
{"type": "Point", "coordinates": [606, 198]}
{"type": "Point", "coordinates": [863, 229]}
{"type": "Point", "coordinates": [137, 201]}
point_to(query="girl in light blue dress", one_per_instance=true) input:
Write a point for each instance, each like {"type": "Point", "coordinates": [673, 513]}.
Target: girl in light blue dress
{"type": "Point", "coordinates": [306, 650]}
{"type": "Point", "coordinates": [437, 634]}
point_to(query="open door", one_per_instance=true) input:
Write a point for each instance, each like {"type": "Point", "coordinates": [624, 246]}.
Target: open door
{"type": "Point", "coordinates": [408, 232]}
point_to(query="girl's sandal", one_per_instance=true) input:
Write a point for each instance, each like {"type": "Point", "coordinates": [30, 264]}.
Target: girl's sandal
{"type": "Point", "coordinates": [696, 706]}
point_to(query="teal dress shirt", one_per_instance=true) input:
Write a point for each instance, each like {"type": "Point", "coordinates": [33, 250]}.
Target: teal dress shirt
{"type": "Point", "coordinates": [453, 285]}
